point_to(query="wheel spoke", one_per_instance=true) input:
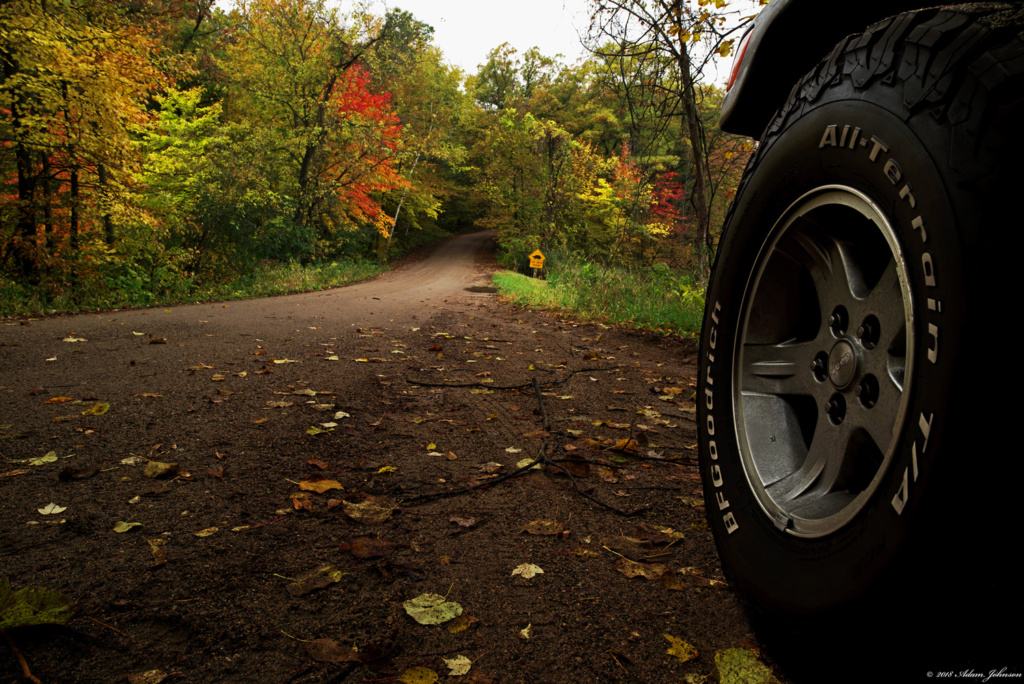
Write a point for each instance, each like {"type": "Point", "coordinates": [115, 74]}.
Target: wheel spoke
{"type": "Point", "coordinates": [781, 369]}
{"type": "Point", "coordinates": [823, 257]}
{"type": "Point", "coordinates": [885, 302]}
{"type": "Point", "coordinates": [815, 464]}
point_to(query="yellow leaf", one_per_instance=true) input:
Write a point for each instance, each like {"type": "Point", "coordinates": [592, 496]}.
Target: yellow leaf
{"type": "Point", "coordinates": [680, 649]}
{"type": "Point", "coordinates": [319, 485]}
{"type": "Point", "coordinates": [418, 675]}
{"type": "Point", "coordinates": [96, 410]}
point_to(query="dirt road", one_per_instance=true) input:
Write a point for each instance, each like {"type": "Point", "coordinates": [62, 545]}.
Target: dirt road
{"type": "Point", "coordinates": [296, 424]}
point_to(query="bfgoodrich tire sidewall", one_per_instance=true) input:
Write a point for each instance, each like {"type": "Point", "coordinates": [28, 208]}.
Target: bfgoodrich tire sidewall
{"type": "Point", "coordinates": [889, 162]}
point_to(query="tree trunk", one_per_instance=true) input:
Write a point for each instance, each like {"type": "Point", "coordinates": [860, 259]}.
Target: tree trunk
{"type": "Point", "coordinates": [25, 253]}
{"type": "Point", "coordinates": [108, 223]}
{"type": "Point", "coordinates": [695, 134]}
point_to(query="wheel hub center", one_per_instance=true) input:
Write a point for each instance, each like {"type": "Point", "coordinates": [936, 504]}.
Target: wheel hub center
{"type": "Point", "coordinates": [842, 364]}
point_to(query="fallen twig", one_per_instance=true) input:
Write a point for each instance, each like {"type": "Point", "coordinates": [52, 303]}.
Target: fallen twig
{"type": "Point", "coordinates": [553, 383]}
{"type": "Point", "coordinates": [103, 624]}
{"type": "Point", "coordinates": [21, 659]}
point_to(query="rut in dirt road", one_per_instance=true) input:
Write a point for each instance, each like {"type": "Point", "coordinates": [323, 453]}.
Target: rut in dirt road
{"type": "Point", "coordinates": [285, 538]}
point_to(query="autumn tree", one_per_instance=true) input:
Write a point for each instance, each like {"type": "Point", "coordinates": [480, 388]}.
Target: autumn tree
{"type": "Point", "coordinates": [667, 45]}
{"type": "Point", "coordinates": [299, 83]}
{"type": "Point", "coordinates": [73, 85]}
{"type": "Point", "coordinates": [427, 97]}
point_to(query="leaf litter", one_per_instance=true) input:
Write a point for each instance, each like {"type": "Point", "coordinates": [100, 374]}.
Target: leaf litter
{"type": "Point", "coordinates": [432, 609]}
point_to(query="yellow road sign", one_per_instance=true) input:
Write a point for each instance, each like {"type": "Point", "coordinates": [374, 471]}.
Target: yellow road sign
{"type": "Point", "coordinates": [537, 259]}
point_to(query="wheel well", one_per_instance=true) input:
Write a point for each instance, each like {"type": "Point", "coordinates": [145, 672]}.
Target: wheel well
{"type": "Point", "coordinates": [772, 65]}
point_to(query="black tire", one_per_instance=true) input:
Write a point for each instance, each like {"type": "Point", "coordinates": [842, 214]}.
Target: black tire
{"type": "Point", "coordinates": [855, 261]}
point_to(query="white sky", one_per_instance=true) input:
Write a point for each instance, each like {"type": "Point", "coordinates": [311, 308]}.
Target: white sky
{"type": "Point", "coordinates": [466, 30]}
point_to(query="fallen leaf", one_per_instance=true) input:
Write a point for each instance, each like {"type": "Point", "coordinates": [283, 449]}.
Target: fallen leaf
{"type": "Point", "coordinates": [120, 526]}
{"type": "Point", "coordinates": [463, 522]}
{"type": "Point", "coordinates": [156, 469]}
{"type": "Point", "coordinates": [280, 404]}
{"type": "Point", "coordinates": [158, 340]}
{"type": "Point", "coordinates": [369, 547]}
{"type": "Point", "coordinates": [372, 511]}
{"type": "Point", "coordinates": [526, 632]}
{"type": "Point", "coordinates": [284, 360]}
{"type": "Point", "coordinates": [147, 395]}
{"type": "Point", "coordinates": [740, 666]}
{"type": "Point", "coordinates": [57, 400]}
{"type": "Point", "coordinates": [96, 410]}
{"type": "Point", "coordinates": [462, 623]}
{"type": "Point", "coordinates": [544, 527]}
{"type": "Point", "coordinates": [527, 570]}
{"type": "Point", "coordinates": [305, 392]}
{"type": "Point", "coordinates": [159, 557]}
{"type": "Point", "coordinates": [432, 609]}
{"type": "Point", "coordinates": [681, 649]}
{"type": "Point", "coordinates": [490, 467]}
{"type": "Point", "coordinates": [646, 570]}
{"type": "Point", "coordinates": [330, 651]}
{"type": "Point", "coordinates": [52, 509]}
{"type": "Point", "coordinates": [12, 473]}
{"type": "Point", "coordinates": [219, 377]}
{"type": "Point", "coordinates": [49, 457]}
{"type": "Point", "coordinates": [526, 462]}
{"type": "Point", "coordinates": [319, 484]}
{"type": "Point", "coordinates": [314, 430]}
{"type": "Point", "coordinates": [207, 532]}
{"type": "Point", "coordinates": [321, 577]}
{"type": "Point", "coordinates": [341, 415]}
{"type": "Point", "coordinates": [671, 581]}
{"type": "Point", "coordinates": [29, 606]}
{"type": "Point", "coordinates": [149, 676]}
{"type": "Point", "coordinates": [458, 666]}
{"type": "Point", "coordinates": [418, 675]}
{"type": "Point", "coordinates": [74, 339]}
{"type": "Point", "coordinates": [301, 501]}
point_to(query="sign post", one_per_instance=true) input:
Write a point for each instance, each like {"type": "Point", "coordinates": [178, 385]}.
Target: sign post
{"type": "Point", "coordinates": [536, 261]}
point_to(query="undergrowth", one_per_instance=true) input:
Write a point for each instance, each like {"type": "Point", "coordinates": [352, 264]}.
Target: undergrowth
{"type": "Point", "coordinates": [114, 293]}
{"type": "Point", "coordinates": [656, 298]}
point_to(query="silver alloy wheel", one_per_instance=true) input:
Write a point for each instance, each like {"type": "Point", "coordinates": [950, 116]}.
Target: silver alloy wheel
{"type": "Point", "coordinates": [824, 358]}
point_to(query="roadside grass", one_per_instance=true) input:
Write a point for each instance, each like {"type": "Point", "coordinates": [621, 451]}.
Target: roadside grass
{"type": "Point", "coordinates": [658, 299]}
{"type": "Point", "coordinates": [125, 292]}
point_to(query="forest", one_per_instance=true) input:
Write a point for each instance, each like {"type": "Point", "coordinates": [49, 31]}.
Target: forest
{"type": "Point", "coordinates": [166, 150]}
